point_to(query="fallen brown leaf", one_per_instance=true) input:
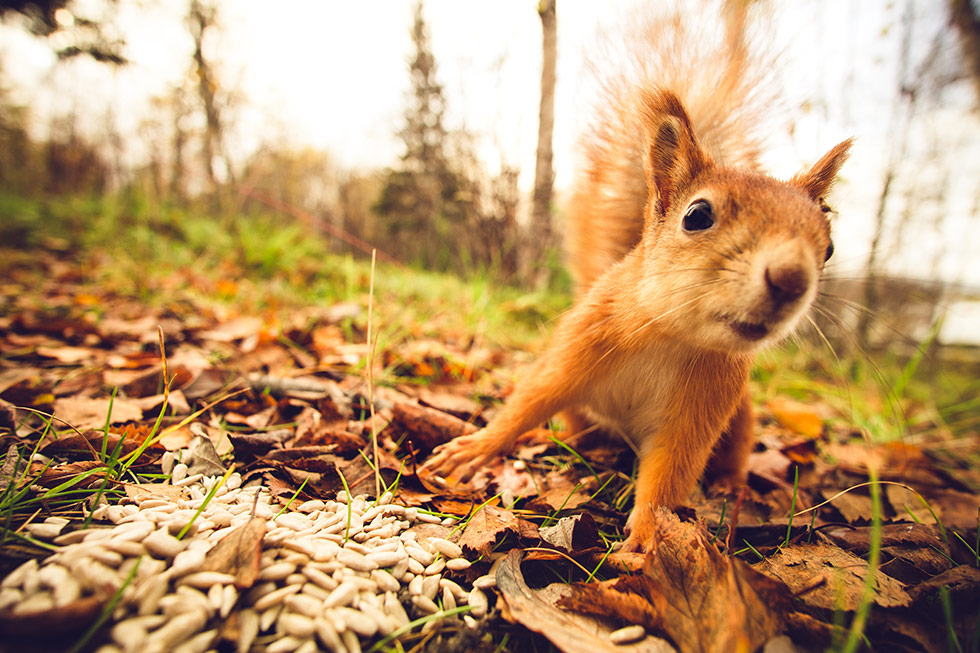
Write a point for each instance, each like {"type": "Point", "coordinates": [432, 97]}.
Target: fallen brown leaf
{"type": "Point", "coordinates": [829, 578]}
{"type": "Point", "coordinates": [84, 413]}
{"type": "Point", "coordinates": [699, 598]}
{"type": "Point", "coordinates": [65, 620]}
{"type": "Point", "coordinates": [573, 533]}
{"type": "Point", "coordinates": [459, 406]}
{"type": "Point", "coordinates": [798, 417]}
{"type": "Point", "coordinates": [770, 464]}
{"type": "Point", "coordinates": [489, 525]}
{"type": "Point", "coordinates": [68, 355]}
{"type": "Point", "coordinates": [254, 445]}
{"type": "Point", "coordinates": [963, 583]}
{"type": "Point", "coordinates": [138, 493]}
{"type": "Point", "coordinates": [853, 506]}
{"type": "Point", "coordinates": [238, 553]}
{"type": "Point", "coordinates": [912, 552]}
{"type": "Point", "coordinates": [541, 611]}
{"type": "Point", "coordinates": [60, 473]}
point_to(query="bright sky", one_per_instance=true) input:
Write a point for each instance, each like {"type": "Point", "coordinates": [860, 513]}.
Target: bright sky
{"type": "Point", "coordinates": [333, 75]}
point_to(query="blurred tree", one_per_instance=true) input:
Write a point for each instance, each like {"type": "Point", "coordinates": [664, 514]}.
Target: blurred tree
{"type": "Point", "coordinates": [427, 200]}
{"type": "Point", "coordinates": [541, 237]}
{"type": "Point", "coordinates": [356, 195]}
{"type": "Point", "coordinates": [83, 33]}
{"type": "Point", "coordinates": [202, 17]}
{"type": "Point", "coordinates": [19, 155]}
{"type": "Point", "coordinates": [965, 16]}
{"type": "Point", "coordinates": [74, 165]}
{"type": "Point", "coordinates": [180, 106]}
{"type": "Point", "coordinates": [917, 173]}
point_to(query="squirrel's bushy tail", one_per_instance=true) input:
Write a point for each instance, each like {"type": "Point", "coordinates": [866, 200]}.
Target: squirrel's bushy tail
{"type": "Point", "coordinates": [707, 60]}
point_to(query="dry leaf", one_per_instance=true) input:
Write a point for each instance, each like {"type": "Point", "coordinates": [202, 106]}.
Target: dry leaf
{"type": "Point", "coordinates": [540, 610]}
{"type": "Point", "coordinates": [853, 506]}
{"type": "Point", "coordinates": [456, 405]}
{"type": "Point", "coordinates": [509, 480]}
{"type": "Point", "coordinates": [489, 525]}
{"type": "Point", "coordinates": [84, 413]}
{"type": "Point", "coordinates": [144, 491]}
{"type": "Point", "coordinates": [238, 553]}
{"type": "Point", "coordinates": [573, 533]}
{"type": "Point", "coordinates": [204, 459]}
{"type": "Point", "coordinates": [176, 403]}
{"type": "Point", "coordinates": [770, 464]}
{"type": "Point", "coordinates": [236, 329]}
{"type": "Point", "coordinates": [798, 417]}
{"type": "Point", "coordinates": [13, 376]}
{"type": "Point", "coordinates": [67, 355]}
{"type": "Point", "coordinates": [829, 578]}
{"type": "Point", "coordinates": [60, 473]}
{"type": "Point", "coordinates": [963, 583]}
{"type": "Point", "coordinates": [699, 598]}
{"type": "Point", "coordinates": [254, 445]}
{"type": "Point", "coordinates": [42, 626]}
{"type": "Point", "coordinates": [912, 552]}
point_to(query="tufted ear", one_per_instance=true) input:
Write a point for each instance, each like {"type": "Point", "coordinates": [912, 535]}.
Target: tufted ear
{"type": "Point", "coordinates": [816, 181]}
{"type": "Point", "coordinates": [673, 156]}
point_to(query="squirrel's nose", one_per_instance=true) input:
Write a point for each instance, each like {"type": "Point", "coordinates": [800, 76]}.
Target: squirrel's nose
{"type": "Point", "coordinates": [786, 281]}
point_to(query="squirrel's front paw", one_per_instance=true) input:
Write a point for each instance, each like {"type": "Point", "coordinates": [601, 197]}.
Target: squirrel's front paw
{"type": "Point", "coordinates": [641, 528]}
{"type": "Point", "coordinates": [460, 458]}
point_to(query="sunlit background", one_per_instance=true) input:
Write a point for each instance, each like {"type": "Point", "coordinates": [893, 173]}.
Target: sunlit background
{"type": "Point", "coordinates": [328, 83]}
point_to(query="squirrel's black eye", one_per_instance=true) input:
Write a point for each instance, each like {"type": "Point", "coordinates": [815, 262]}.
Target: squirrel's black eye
{"type": "Point", "coordinates": [830, 251]}
{"type": "Point", "coordinates": [699, 216]}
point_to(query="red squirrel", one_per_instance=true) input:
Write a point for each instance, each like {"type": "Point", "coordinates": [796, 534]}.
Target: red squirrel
{"type": "Point", "coordinates": [688, 260]}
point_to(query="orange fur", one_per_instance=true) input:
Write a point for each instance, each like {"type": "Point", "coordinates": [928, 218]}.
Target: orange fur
{"type": "Point", "coordinates": [659, 343]}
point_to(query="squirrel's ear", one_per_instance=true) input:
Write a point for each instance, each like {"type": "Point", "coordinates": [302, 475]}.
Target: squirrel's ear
{"type": "Point", "coordinates": [673, 157]}
{"type": "Point", "coordinates": [816, 181]}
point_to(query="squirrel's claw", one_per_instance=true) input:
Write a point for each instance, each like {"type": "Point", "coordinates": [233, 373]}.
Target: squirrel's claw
{"type": "Point", "coordinates": [460, 458]}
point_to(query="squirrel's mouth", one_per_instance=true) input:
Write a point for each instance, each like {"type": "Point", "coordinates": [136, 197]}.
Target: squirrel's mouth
{"type": "Point", "coordinates": [748, 330]}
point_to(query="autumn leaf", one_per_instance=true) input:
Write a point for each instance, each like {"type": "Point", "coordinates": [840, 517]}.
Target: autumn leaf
{"type": "Point", "coordinates": [61, 473]}
{"type": "Point", "coordinates": [573, 533]}
{"type": "Point", "coordinates": [829, 578]}
{"type": "Point", "coordinates": [798, 417]}
{"type": "Point", "coordinates": [238, 553]}
{"type": "Point", "coordinates": [699, 598]}
{"type": "Point", "coordinates": [542, 611]}
{"type": "Point", "coordinates": [144, 491]}
{"type": "Point", "coordinates": [86, 413]}
{"type": "Point", "coordinates": [489, 525]}
{"type": "Point", "coordinates": [66, 620]}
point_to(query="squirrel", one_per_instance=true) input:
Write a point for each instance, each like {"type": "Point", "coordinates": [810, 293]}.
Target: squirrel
{"type": "Point", "coordinates": [687, 261]}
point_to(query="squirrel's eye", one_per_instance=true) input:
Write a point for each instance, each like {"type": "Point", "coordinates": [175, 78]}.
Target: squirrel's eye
{"type": "Point", "coordinates": [830, 251]}
{"type": "Point", "coordinates": [699, 216]}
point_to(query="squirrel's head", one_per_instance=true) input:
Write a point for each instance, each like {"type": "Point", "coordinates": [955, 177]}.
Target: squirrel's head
{"type": "Point", "coordinates": [738, 254]}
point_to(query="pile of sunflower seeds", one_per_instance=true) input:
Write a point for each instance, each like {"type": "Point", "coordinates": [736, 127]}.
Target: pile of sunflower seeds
{"type": "Point", "coordinates": [333, 574]}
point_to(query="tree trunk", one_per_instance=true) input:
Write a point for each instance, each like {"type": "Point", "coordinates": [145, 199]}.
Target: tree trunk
{"type": "Point", "coordinates": [540, 237]}
{"type": "Point", "coordinates": [201, 19]}
{"type": "Point", "coordinates": [966, 18]}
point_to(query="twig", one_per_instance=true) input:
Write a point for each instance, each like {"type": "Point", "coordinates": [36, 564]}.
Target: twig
{"type": "Point", "coordinates": [370, 363]}
{"type": "Point", "coordinates": [315, 222]}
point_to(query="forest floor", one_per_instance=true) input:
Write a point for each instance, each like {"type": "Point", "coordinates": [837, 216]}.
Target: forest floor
{"type": "Point", "coordinates": [858, 528]}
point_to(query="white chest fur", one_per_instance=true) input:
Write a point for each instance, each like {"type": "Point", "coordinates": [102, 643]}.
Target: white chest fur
{"type": "Point", "coordinates": [631, 397]}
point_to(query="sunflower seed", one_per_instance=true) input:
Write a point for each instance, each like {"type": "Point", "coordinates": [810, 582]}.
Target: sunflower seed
{"type": "Point", "coordinates": [628, 634]}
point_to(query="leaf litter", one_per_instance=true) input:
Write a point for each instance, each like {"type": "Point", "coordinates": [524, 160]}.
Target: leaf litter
{"type": "Point", "coordinates": [285, 401]}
